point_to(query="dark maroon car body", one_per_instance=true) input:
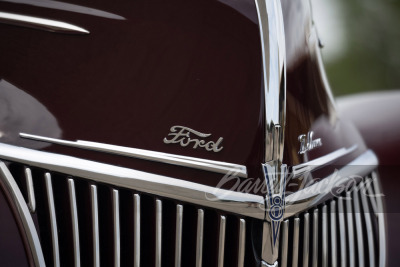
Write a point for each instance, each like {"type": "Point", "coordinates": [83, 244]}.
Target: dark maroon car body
{"type": "Point", "coordinates": [149, 65]}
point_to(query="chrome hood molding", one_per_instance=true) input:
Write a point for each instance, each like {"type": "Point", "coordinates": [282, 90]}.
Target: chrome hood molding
{"type": "Point", "coordinates": [191, 162]}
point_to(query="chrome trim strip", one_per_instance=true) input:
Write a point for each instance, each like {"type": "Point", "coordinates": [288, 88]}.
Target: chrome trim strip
{"type": "Point", "coordinates": [191, 162]}
{"type": "Point", "coordinates": [178, 235]}
{"type": "Point", "coordinates": [31, 191]}
{"type": "Point", "coordinates": [24, 214]}
{"type": "Point", "coordinates": [332, 209]}
{"type": "Point", "coordinates": [322, 191]}
{"type": "Point", "coordinates": [242, 242]}
{"type": "Point", "coordinates": [342, 233]}
{"type": "Point", "coordinates": [350, 229]}
{"type": "Point", "coordinates": [239, 203]}
{"type": "Point", "coordinates": [306, 238]}
{"type": "Point", "coordinates": [296, 241]}
{"type": "Point", "coordinates": [272, 35]}
{"type": "Point", "coordinates": [136, 229]}
{"type": "Point", "coordinates": [285, 245]}
{"type": "Point", "coordinates": [221, 241]}
{"type": "Point", "coordinates": [117, 230]}
{"type": "Point", "coordinates": [312, 165]}
{"type": "Point", "coordinates": [57, 5]}
{"type": "Point", "coordinates": [95, 225]}
{"type": "Point", "coordinates": [158, 232]}
{"type": "Point", "coordinates": [324, 253]}
{"type": "Point", "coordinates": [74, 222]}
{"type": "Point", "coordinates": [381, 221]}
{"type": "Point", "coordinates": [40, 23]}
{"type": "Point", "coordinates": [315, 238]}
{"type": "Point", "coordinates": [199, 238]}
{"type": "Point", "coordinates": [368, 225]}
{"type": "Point", "coordinates": [53, 220]}
{"type": "Point", "coordinates": [359, 227]}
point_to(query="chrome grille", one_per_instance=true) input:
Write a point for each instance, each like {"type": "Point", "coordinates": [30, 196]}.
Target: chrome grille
{"type": "Point", "coordinates": [81, 222]}
{"type": "Point", "coordinates": [345, 231]}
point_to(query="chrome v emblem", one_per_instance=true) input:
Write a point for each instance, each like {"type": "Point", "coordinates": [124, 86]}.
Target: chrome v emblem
{"type": "Point", "coordinates": [275, 178]}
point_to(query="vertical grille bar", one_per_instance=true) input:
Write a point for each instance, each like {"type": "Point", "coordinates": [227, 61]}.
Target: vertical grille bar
{"type": "Point", "coordinates": [221, 240]}
{"type": "Point", "coordinates": [116, 224]}
{"type": "Point", "coordinates": [199, 237]}
{"type": "Point", "coordinates": [342, 232]}
{"type": "Point", "coordinates": [371, 195]}
{"type": "Point", "coordinates": [285, 237]}
{"type": "Point", "coordinates": [158, 232]}
{"type": "Point", "coordinates": [306, 237]}
{"type": "Point", "coordinates": [381, 220]}
{"type": "Point", "coordinates": [242, 242]}
{"type": "Point", "coordinates": [31, 191]}
{"type": "Point", "coordinates": [315, 238]}
{"type": "Point", "coordinates": [333, 234]}
{"type": "Point", "coordinates": [359, 227]}
{"type": "Point", "coordinates": [74, 222]}
{"type": "Point", "coordinates": [178, 235]}
{"type": "Point", "coordinates": [296, 232]}
{"type": "Point", "coordinates": [350, 229]}
{"type": "Point", "coordinates": [368, 225]}
{"type": "Point", "coordinates": [95, 225]}
{"type": "Point", "coordinates": [136, 229]}
{"type": "Point", "coordinates": [53, 220]}
{"type": "Point", "coordinates": [324, 236]}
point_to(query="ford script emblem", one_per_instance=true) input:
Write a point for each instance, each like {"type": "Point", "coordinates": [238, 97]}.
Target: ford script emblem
{"type": "Point", "coordinates": [184, 136]}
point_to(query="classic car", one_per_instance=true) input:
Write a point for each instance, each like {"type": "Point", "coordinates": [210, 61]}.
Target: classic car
{"type": "Point", "coordinates": [183, 133]}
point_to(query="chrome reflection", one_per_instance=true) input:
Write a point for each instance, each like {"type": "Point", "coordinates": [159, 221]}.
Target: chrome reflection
{"type": "Point", "coordinates": [67, 7]}
{"type": "Point", "coordinates": [19, 111]}
{"type": "Point", "coordinates": [317, 163]}
{"type": "Point", "coordinates": [40, 23]}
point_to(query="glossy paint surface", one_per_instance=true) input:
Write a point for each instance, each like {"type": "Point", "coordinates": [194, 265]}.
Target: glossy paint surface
{"type": "Point", "coordinates": [149, 65]}
{"type": "Point", "coordinates": [195, 64]}
{"type": "Point", "coordinates": [152, 65]}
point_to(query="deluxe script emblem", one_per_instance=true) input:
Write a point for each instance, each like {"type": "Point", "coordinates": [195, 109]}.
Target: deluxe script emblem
{"type": "Point", "coordinates": [307, 143]}
{"type": "Point", "coordinates": [183, 136]}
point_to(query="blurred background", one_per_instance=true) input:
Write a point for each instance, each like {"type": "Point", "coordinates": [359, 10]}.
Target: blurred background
{"type": "Point", "coordinates": [362, 43]}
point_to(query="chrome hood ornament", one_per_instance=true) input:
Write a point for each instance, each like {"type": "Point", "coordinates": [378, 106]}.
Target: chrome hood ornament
{"type": "Point", "coordinates": [272, 35]}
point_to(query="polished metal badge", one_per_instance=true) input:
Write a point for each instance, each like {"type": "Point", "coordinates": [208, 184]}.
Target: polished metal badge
{"type": "Point", "coordinates": [275, 178]}
{"type": "Point", "coordinates": [182, 135]}
{"type": "Point", "coordinates": [307, 143]}
{"type": "Point", "coordinates": [276, 182]}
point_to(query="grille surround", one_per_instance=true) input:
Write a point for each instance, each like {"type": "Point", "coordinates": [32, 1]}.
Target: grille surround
{"type": "Point", "coordinates": [238, 211]}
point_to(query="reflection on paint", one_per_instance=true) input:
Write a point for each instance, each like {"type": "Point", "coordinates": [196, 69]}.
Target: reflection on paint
{"type": "Point", "coordinates": [21, 112]}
